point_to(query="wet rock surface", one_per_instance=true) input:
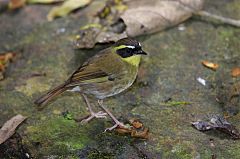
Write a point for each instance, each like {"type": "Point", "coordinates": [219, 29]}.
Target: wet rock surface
{"type": "Point", "coordinates": [168, 73]}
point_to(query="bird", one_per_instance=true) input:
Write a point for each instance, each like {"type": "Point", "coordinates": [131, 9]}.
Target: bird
{"type": "Point", "coordinates": [108, 73]}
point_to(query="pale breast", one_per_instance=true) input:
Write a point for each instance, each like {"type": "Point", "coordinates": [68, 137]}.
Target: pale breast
{"type": "Point", "coordinates": [113, 86]}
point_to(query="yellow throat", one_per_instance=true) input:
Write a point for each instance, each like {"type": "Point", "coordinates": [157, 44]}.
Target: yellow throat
{"type": "Point", "coordinates": [133, 60]}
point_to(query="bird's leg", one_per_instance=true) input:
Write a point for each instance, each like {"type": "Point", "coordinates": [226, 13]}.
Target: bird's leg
{"type": "Point", "coordinates": [117, 123]}
{"type": "Point", "coordinates": [92, 115]}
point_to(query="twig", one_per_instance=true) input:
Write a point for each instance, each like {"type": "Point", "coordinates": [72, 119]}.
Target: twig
{"type": "Point", "coordinates": [219, 18]}
{"type": "Point", "coordinates": [202, 13]}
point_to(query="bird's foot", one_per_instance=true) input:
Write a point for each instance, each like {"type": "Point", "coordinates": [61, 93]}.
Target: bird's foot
{"type": "Point", "coordinates": [94, 115]}
{"type": "Point", "coordinates": [117, 124]}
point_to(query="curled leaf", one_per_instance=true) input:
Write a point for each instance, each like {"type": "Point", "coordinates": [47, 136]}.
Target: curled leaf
{"type": "Point", "coordinates": [8, 129]}
{"type": "Point", "coordinates": [67, 7]}
{"type": "Point", "coordinates": [236, 72]}
{"type": "Point", "coordinates": [136, 123]}
{"type": "Point", "coordinates": [144, 17]}
{"type": "Point", "coordinates": [123, 131]}
{"type": "Point", "coordinates": [210, 65]}
{"type": "Point", "coordinates": [141, 134]}
{"type": "Point", "coordinates": [136, 129]}
{"type": "Point", "coordinates": [217, 123]}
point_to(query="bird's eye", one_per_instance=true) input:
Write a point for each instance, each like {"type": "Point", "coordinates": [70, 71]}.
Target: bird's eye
{"type": "Point", "coordinates": [129, 51]}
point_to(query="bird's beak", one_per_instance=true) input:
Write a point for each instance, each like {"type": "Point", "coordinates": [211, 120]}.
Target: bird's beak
{"type": "Point", "coordinates": [142, 53]}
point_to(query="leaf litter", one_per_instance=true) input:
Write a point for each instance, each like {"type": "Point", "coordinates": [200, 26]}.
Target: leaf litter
{"type": "Point", "coordinates": [122, 18]}
{"type": "Point", "coordinates": [136, 129]}
{"type": "Point", "coordinates": [139, 17]}
{"type": "Point", "coordinates": [133, 18]}
{"type": "Point", "coordinates": [67, 7]}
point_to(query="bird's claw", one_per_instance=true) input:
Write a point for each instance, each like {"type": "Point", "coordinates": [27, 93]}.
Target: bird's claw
{"type": "Point", "coordinates": [117, 124]}
{"type": "Point", "coordinates": [94, 115]}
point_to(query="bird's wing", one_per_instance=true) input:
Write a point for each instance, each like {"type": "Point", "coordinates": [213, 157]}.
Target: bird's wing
{"type": "Point", "coordinates": [92, 71]}
{"type": "Point", "coordinates": [88, 74]}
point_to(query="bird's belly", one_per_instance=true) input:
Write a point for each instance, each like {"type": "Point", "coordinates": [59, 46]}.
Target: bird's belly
{"type": "Point", "coordinates": [110, 88]}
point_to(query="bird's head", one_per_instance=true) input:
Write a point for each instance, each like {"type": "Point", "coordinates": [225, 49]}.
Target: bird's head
{"type": "Point", "coordinates": [129, 50]}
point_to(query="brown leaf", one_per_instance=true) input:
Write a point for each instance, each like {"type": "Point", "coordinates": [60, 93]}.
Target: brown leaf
{"type": "Point", "coordinates": [8, 129]}
{"type": "Point", "coordinates": [235, 72]}
{"type": "Point", "coordinates": [137, 18]}
{"type": "Point", "coordinates": [136, 123]}
{"type": "Point", "coordinates": [123, 130]}
{"type": "Point", "coordinates": [210, 65]}
{"type": "Point", "coordinates": [14, 4]}
{"type": "Point", "coordinates": [150, 16]}
{"type": "Point", "coordinates": [4, 61]}
{"type": "Point", "coordinates": [141, 134]}
{"type": "Point", "coordinates": [136, 129]}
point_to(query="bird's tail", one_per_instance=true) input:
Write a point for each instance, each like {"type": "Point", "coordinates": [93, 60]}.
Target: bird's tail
{"type": "Point", "coordinates": [43, 100]}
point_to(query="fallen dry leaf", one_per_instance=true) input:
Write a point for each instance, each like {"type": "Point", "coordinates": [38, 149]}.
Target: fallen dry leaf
{"type": "Point", "coordinates": [236, 72]}
{"type": "Point", "coordinates": [7, 56]}
{"type": "Point", "coordinates": [136, 129]}
{"type": "Point", "coordinates": [123, 130]}
{"type": "Point", "coordinates": [14, 4]}
{"type": "Point", "coordinates": [141, 134]}
{"type": "Point", "coordinates": [67, 7]}
{"type": "Point", "coordinates": [136, 123]}
{"type": "Point", "coordinates": [151, 16]}
{"type": "Point", "coordinates": [137, 17]}
{"type": "Point", "coordinates": [210, 65]}
{"type": "Point", "coordinates": [8, 129]}
{"type": "Point", "coordinates": [216, 122]}
{"type": "Point", "coordinates": [4, 61]}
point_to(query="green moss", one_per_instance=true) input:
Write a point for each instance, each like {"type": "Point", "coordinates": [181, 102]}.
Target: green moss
{"type": "Point", "coordinates": [97, 154]}
{"type": "Point", "coordinates": [32, 85]}
{"type": "Point", "coordinates": [57, 135]}
{"type": "Point", "coordinates": [234, 7]}
{"type": "Point", "coordinates": [181, 152]}
{"type": "Point", "coordinates": [226, 33]}
{"type": "Point", "coordinates": [233, 151]}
